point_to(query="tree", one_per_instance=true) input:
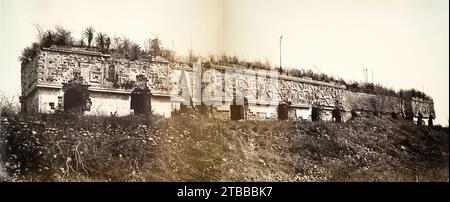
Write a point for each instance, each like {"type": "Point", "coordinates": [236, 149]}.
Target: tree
{"type": "Point", "coordinates": [48, 38]}
{"type": "Point", "coordinates": [116, 43]}
{"type": "Point", "coordinates": [81, 43]}
{"type": "Point", "coordinates": [135, 52]}
{"type": "Point", "coordinates": [63, 36]}
{"type": "Point", "coordinates": [8, 105]}
{"type": "Point", "coordinates": [89, 33]}
{"type": "Point", "coordinates": [192, 57]}
{"type": "Point", "coordinates": [378, 104]}
{"type": "Point", "coordinates": [101, 38]}
{"type": "Point", "coordinates": [107, 43]}
{"type": "Point", "coordinates": [121, 46]}
{"type": "Point", "coordinates": [155, 47]}
{"type": "Point", "coordinates": [125, 47]}
{"type": "Point", "coordinates": [168, 54]}
{"type": "Point", "coordinates": [29, 53]}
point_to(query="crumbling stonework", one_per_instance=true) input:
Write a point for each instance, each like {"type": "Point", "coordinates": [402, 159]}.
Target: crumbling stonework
{"type": "Point", "coordinates": [112, 81]}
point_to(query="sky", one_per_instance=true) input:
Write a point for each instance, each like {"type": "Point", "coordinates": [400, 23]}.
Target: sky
{"type": "Point", "coordinates": [403, 42]}
{"type": "Point", "coordinates": [180, 24]}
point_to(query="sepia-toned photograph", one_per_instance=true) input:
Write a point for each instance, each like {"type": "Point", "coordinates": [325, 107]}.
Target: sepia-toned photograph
{"type": "Point", "coordinates": [224, 91]}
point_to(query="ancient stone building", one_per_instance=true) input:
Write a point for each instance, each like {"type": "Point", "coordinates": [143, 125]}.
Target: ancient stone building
{"type": "Point", "coordinates": [112, 85]}
{"type": "Point", "coordinates": [89, 82]}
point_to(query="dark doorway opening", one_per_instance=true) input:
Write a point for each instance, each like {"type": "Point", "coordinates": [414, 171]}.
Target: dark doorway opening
{"type": "Point", "coordinates": [430, 120]}
{"type": "Point", "coordinates": [138, 100]}
{"type": "Point", "coordinates": [76, 95]}
{"type": "Point", "coordinates": [73, 100]}
{"type": "Point", "coordinates": [336, 115]}
{"type": "Point", "coordinates": [238, 111]}
{"type": "Point", "coordinates": [283, 111]}
{"type": "Point", "coordinates": [419, 119]}
{"type": "Point", "coordinates": [394, 115]}
{"type": "Point", "coordinates": [315, 114]}
{"type": "Point", "coordinates": [354, 114]}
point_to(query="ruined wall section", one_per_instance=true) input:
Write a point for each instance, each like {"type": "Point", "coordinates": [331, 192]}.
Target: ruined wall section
{"type": "Point", "coordinates": [426, 108]}
{"type": "Point", "coordinates": [32, 103]}
{"type": "Point", "coordinates": [369, 102]}
{"type": "Point", "coordinates": [55, 66]}
{"type": "Point", "coordinates": [30, 73]}
{"type": "Point", "coordinates": [110, 80]}
{"type": "Point", "coordinates": [306, 92]}
{"type": "Point", "coordinates": [408, 108]}
{"type": "Point", "coordinates": [157, 74]}
{"type": "Point", "coordinates": [58, 66]}
{"type": "Point", "coordinates": [106, 103]}
{"type": "Point", "coordinates": [298, 92]}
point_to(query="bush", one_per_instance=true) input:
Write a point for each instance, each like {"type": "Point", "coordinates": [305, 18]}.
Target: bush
{"type": "Point", "coordinates": [411, 93]}
{"type": "Point", "coordinates": [66, 148]}
{"type": "Point", "coordinates": [379, 104]}
{"type": "Point", "coordinates": [8, 105]}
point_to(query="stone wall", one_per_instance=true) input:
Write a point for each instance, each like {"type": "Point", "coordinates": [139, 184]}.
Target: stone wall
{"type": "Point", "coordinates": [300, 113]}
{"type": "Point", "coordinates": [221, 112]}
{"type": "Point", "coordinates": [48, 99]}
{"type": "Point", "coordinates": [424, 107]}
{"type": "Point", "coordinates": [107, 103]}
{"type": "Point", "coordinates": [29, 75]}
{"type": "Point", "coordinates": [59, 65]}
{"type": "Point", "coordinates": [296, 91]}
{"type": "Point", "coordinates": [116, 79]}
{"type": "Point", "coordinates": [262, 112]}
{"type": "Point", "coordinates": [32, 102]}
{"type": "Point", "coordinates": [162, 106]}
{"type": "Point", "coordinates": [369, 102]}
{"type": "Point", "coordinates": [317, 94]}
{"type": "Point", "coordinates": [111, 81]}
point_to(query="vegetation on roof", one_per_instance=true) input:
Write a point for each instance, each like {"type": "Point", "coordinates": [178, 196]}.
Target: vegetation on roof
{"type": "Point", "coordinates": [91, 40]}
{"type": "Point", "coordinates": [122, 47]}
{"type": "Point", "coordinates": [353, 86]}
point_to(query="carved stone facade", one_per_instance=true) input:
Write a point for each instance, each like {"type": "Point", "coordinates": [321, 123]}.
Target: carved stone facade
{"type": "Point", "coordinates": [111, 82]}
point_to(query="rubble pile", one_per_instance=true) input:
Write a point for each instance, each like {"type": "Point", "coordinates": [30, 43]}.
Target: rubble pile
{"type": "Point", "coordinates": [373, 149]}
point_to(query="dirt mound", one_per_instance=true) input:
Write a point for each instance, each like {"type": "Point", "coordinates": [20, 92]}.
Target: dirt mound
{"type": "Point", "coordinates": [359, 150]}
{"type": "Point", "coordinates": [197, 148]}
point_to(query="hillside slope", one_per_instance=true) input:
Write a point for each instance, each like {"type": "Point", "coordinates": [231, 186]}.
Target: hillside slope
{"type": "Point", "coordinates": [189, 147]}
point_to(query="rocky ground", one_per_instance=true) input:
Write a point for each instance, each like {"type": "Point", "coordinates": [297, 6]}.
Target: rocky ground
{"type": "Point", "coordinates": [189, 147]}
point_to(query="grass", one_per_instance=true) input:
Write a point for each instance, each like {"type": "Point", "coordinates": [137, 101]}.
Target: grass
{"type": "Point", "coordinates": [195, 148]}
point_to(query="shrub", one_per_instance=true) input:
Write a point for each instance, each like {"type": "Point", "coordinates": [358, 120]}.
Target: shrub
{"type": "Point", "coordinates": [69, 147]}
{"type": "Point", "coordinates": [8, 105]}
{"type": "Point", "coordinates": [378, 104]}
